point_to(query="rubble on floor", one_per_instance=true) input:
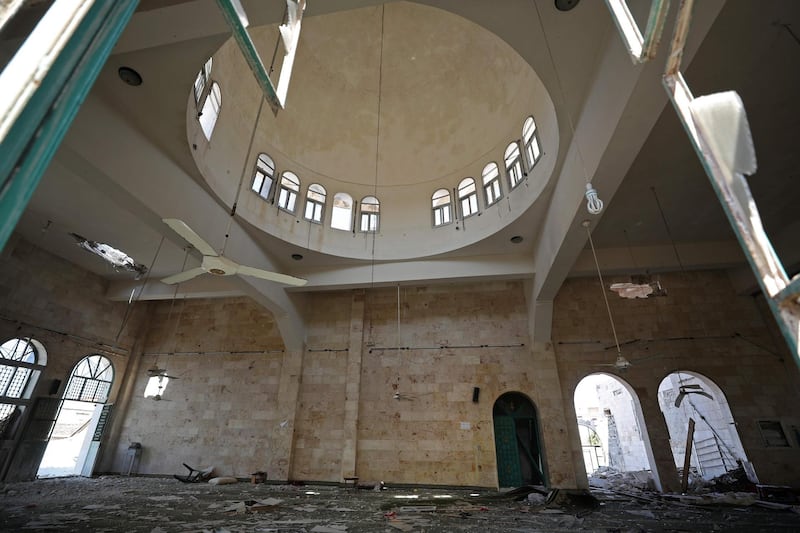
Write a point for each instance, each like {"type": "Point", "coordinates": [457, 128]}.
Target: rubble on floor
{"type": "Point", "coordinates": [158, 505]}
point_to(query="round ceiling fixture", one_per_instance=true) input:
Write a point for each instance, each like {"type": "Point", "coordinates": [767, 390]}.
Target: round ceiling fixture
{"type": "Point", "coordinates": [130, 76]}
{"type": "Point", "coordinates": [516, 239]}
{"type": "Point", "coordinates": [297, 257]}
{"type": "Point", "coordinates": [566, 5]}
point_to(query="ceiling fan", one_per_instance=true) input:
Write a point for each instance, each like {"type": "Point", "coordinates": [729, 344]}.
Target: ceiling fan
{"type": "Point", "coordinates": [621, 363]}
{"type": "Point", "coordinates": [155, 372]}
{"type": "Point", "coordinates": [691, 388]}
{"type": "Point", "coordinates": [217, 265]}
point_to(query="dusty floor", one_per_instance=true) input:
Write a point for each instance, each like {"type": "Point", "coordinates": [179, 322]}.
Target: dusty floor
{"type": "Point", "coordinates": [156, 505]}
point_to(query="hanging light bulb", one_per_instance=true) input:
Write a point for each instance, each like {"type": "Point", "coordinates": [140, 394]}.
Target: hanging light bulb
{"type": "Point", "coordinates": [593, 204]}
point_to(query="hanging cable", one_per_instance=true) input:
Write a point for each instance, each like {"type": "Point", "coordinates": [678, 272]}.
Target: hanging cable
{"type": "Point", "coordinates": [172, 305]}
{"type": "Point", "coordinates": [603, 288]}
{"type": "Point", "coordinates": [666, 226]}
{"type": "Point", "coordinates": [243, 173]}
{"type": "Point", "coordinates": [377, 143]}
{"type": "Point", "coordinates": [133, 300]}
{"type": "Point", "coordinates": [593, 203]}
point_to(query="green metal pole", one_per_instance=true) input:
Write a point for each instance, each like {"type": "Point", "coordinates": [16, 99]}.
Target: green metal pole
{"type": "Point", "coordinates": [32, 141]}
{"type": "Point", "coordinates": [248, 48]}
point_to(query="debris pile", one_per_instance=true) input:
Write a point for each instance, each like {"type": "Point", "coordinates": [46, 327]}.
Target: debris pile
{"type": "Point", "coordinates": [611, 479]}
{"type": "Point", "coordinates": [157, 505]}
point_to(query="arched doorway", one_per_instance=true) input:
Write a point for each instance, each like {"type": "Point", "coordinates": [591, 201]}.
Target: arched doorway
{"type": "Point", "coordinates": [22, 361]}
{"type": "Point", "coordinates": [74, 441]}
{"type": "Point", "coordinates": [517, 441]}
{"type": "Point", "coordinates": [716, 447]}
{"type": "Point", "coordinates": [612, 429]}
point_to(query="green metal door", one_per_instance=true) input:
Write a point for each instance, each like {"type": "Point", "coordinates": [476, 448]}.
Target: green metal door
{"type": "Point", "coordinates": [509, 471]}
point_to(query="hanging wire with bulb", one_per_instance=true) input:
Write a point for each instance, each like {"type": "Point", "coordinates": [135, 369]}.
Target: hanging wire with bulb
{"type": "Point", "coordinates": [593, 203]}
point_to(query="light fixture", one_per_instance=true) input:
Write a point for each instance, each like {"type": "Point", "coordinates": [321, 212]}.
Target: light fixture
{"type": "Point", "coordinates": [593, 204]}
{"type": "Point", "coordinates": [129, 76]}
{"type": "Point", "coordinates": [566, 5]}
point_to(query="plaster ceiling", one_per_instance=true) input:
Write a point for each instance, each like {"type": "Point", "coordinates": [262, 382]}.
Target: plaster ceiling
{"type": "Point", "coordinates": [439, 92]}
{"type": "Point", "coordinates": [750, 49]}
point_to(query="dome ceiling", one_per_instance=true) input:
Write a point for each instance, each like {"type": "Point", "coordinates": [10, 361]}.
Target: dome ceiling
{"type": "Point", "coordinates": [449, 92]}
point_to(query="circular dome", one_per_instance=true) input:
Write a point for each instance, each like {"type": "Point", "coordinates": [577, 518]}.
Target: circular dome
{"type": "Point", "coordinates": [394, 101]}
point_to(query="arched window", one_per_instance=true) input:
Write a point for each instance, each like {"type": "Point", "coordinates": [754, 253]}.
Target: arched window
{"type": "Point", "coordinates": [209, 113]}
{"type": "Point", "coordinates": [442, 210]}
{"type": "Point", "coordinates": [530, 142]}
{"type": "Point", "coordinates": [287, 193]}
{"type": "Point", "coordinates": [264, 176]}
{"type": "Point", "coordinates": [342, 212]}
{"type": "Point", "coordinates": [468, 197]}
{"type": "Point", "coordinates": [491, 183]}
{"type": "Point", "coordinates": [513, 164]}
{"type": "Point", "coordinates": [315, 202]}
{"type": "Point", "coordinates": [91, 380]}
{"type": "Point", "coordinates": [18, 357]}
{"type": "Point", "coordinates": [13, 375]}
{"type": "Point", "coordinates": [370, 214]}
{"type": "Point", "coordinates": [201, 81]}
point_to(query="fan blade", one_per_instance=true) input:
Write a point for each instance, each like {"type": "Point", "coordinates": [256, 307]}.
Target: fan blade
{"type": "Point", "coordinates": [180, 227]}
{"type": "Point", "coordinates": [183, 276]}
{"type": "Point", "coordinates": [679, 399]}
{"type": "Point", "coordinates": [271, 276]}
{"type": "Point", "coordinates": [692, 386]}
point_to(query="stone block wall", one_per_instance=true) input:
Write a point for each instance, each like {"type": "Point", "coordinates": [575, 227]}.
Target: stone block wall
{"type": "Point", "coordinates": [388, 399]}
{"type": "Point", "coordinates": [221, 411]}
{"type": "Point", "coordinates": [700, 326]}
{"type": "Point", "coordinates": [65, 308]}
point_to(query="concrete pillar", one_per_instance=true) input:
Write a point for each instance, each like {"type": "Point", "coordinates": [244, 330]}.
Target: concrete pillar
{"type": "Point", "coordinates": [111, 453]}
{"type": "Point", "coordinates": [554, 415]}
{"type": "Point", "coordinates": [282, 439]}
{"type": "Point", "coordinates": [353, 385]}
{"type": "Point", "coordinates": [662, 462]}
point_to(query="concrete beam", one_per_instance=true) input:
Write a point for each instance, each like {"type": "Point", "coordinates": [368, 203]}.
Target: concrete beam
{"type": "Point", "coordinates": [120, 155]}
{"type": "Point", "coordinates": [624, 103]}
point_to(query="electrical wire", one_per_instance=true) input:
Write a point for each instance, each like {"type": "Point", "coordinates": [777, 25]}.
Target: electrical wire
{"type": "Point", "coordinates": [603, 290]}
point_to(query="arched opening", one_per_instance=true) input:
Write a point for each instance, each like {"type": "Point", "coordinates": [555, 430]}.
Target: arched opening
{"type": "Point", "coordinates": [21, 363]}
{"type": "Point", "coordinates": [613, 434]}
{"type": "Point", "coordinates": [342, 212]}
{"type": "Point", "coordinates": [715, 444]}
{"type": "Point", "coordinates": [517, 441]}
{"type": "Point", "coordinates": [75, 438]}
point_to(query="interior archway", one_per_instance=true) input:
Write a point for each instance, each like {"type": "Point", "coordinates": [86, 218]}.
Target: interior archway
{"type": "Point", "coordinates": [74, 440]}
{"type": "Point", "coordinates": [716, 447]}
{"type": "Point", "coordinates": [517, 436]}
{"type": "Point", "coordinates": [607, 407]}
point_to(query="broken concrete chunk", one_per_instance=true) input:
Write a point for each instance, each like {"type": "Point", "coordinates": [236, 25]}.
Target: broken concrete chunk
{"type": "Point", "coordinates": [534, 498]}
{"type": "Point", "coordinates": [333, 528]}
{"type": "Point", "coordinates": [222, 480]}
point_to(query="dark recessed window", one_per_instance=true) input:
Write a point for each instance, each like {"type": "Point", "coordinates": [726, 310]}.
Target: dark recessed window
{"type": "Point", "coordinates": [264, 176]}
{"type": "Point", "coordinates": [468, 197]}
{"type": "Point", "coordinates": [491, 183]}
{"type": "Point", "coordinates": [370, 214]}
{"type": "Point", "coordinates": [315, 203]}
{"type": "Point", "coordinates": [288, 191]}
{"type": "Point", "coordinates": [513, 165]}
{"type": "Point", "coordinates": [530, 143]}
{"type": "Point", "coordinates": [442, 207]}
